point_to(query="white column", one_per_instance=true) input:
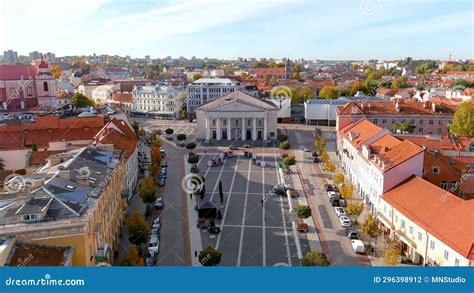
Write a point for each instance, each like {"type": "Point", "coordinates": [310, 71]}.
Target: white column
{"type": "Point", "coordinates": [243, 128]}
{"type": "Point", "coordinates": [265, 128]}
{"type": "Point", "coordinates": [229, 134]}
{"type": "Point", "coordinates": [208, 128]}
{"type": "Point", "coordinates": [254, 129]}
{"type": "Point", "coordinates": [219, 132]}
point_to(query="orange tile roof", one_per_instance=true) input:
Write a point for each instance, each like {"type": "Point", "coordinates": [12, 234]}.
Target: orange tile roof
{"type": "Point", "coordinates": [450, 170]}
{"type": "Point", "coordinates": [399, 153]}
{"type": "Point", "coordinates": [360, 132]}
{"type": "Point", "coordinates": [271, 71]}
{"type": "Point", "coordinates": [122, 97]}
{"type": "Point", "coordinates": [442, 214]}
{"type": "Point", "coordinates": [389, 108]}
{"type": "Point", "coordinates": [383, 144]}
{"type": "Point", "coordinates": [125, 140]}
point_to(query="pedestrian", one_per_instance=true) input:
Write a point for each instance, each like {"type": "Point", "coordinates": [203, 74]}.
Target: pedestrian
{"type": "Point", "coordinates": [191, 196]}
{"type": "Point", "coordinates": [195, 253]}
{"type": "Point", "coordinates": [261, 201]}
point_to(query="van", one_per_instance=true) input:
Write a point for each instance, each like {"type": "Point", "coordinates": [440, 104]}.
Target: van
{"type": "Point", "coordinates": [358, 246]}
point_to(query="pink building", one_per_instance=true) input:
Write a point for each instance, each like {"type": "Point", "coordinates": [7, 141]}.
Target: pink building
{"type": "Point", "coordinates": [24, 87]}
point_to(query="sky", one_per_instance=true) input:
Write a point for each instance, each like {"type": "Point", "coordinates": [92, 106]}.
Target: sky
{"type": "Point", "coordinates": [310, 29]}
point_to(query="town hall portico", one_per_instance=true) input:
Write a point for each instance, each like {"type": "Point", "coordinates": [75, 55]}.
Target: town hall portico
{"type": "Point", "coordinates": [237, 116]}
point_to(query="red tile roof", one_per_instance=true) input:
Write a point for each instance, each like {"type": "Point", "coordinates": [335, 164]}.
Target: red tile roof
{"type": "Point", "coordinates": [271, 71]}
{"type": "Point", "coordinates": [122, 97]}
{"type": "Point", "coordinates": [442, 214]}
{"type": "Point", "coordinates": [389, 108]}
{"type": "Point", "coordinates": [15, 72]}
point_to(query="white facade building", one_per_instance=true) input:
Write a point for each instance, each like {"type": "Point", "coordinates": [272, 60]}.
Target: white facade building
{"type": "Point", "coordinates": [103, 94]}
{"type": "Point", "coordinates": [159, 101]}
{"type": "Point", "coordinates": [237, 116]}
{"type": "Point", "coordinates": [207, 89]}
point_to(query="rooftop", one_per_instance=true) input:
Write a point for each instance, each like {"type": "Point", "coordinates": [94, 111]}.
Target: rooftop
{"type": "Point", "coordinates": [402, 107]}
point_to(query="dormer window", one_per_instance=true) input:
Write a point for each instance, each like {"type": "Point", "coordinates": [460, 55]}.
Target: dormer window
{"type": "Point", "coordinates": [30, 217]}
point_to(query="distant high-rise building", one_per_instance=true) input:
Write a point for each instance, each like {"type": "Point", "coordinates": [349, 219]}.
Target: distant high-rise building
{"type": "Point", "coordinates": [10, 56]}
{"type": "Point", "coordinates": [51, 57]}
{"type": "Point", "coordinates": [35, 55]}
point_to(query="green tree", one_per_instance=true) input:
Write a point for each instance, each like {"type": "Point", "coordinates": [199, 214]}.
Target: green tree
{"type": "Point", "coordinates": [370, 227]}
{"type": "Point", "coordinates": [197, 76]}
{"type": "Point", "coordinates": [303, 211]}
{"type": "Point", "coordinates": [320, 144]}
{"type": "Point", "coordinates": [461, 84]}
{"type": "Point", "coordinates": [355, 210]}
{"type": "Point", "coordinates": [401, 82]}
{"type": "Point", "coordinates": [137, 228]}
{"type": "Point", "coordinates": [135, 126]}
{"type": "Point", "coordinates": [132, 258]}
{"type": "Point", "coordinates": [463, 120]}
{"type": "Point", "coordinates": [34, 147]}
{"type": "Point", "coordinates": [209, 257]}
{"type": "Point", "coordinates": [181, 137]}
{"type": "Point", "coordinates": [169, 131]}
{"type": "Point", "coordinates": [315, 259]}
{"type": "Point", "coordinates": [403, 127]}
{"type": "Point", "coordinates": [81, 101]}
{"type": "Point", "coordinates": [329, 93]}
{"type": "Point", "coordinates": [347, 190]}
{"type": "Point", "coordinates": [282, 137]}
{"type": "Point", "coordinates": [191, 146]}
{"type": "Point", "coordinates": [285, 145]}
{"type": "Point", "coordinates": [193, 159]}
{"type": "Point", "coordinates": [289, 161]}
{"type": "Point", "coordinates": [392, 254]}
{"type": "Point", "coordinates": [329, 166]}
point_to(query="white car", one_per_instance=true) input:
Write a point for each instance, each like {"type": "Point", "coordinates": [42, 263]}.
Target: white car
{"type": "Point", "coordinates": [331, 194]}
{"type": "Point", "coordinates": [358, 246]}
{"type": "Point", "coordinates": [340, 211]}
{"type": "Point", "coordinates": [306, 149]}
{"type": "Point", "coordinates": [159, 203]}
{"type": "Point", "coordinates": [154, 247]}
{"type": "Point", "coordinates": [345, 221]}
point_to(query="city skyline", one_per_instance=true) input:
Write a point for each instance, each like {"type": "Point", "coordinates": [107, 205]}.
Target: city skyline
{"type": "Point", "coordinates": [278, 29]}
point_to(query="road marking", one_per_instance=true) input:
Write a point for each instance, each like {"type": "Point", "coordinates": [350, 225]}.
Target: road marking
{"type": "Point", "coordinates": [284, 220]}
{"type": "Point", "coordinates": [253, 226]}
{"type": "Point", "coordinates": [227, 202]}
{"type": "Point", "coordinates": [264, 242]}
{"type": "Point", "coordinates": [217, 181]}
{"type": "Point", "coordinates": [243, 218]}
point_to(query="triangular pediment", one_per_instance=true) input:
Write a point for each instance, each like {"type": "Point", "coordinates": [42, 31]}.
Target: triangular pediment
{"type": "Point", "coordinates": [236, 106]}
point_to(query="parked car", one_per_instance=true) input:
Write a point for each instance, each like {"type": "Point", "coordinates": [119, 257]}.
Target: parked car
{"type": "Point", "coordinates": [159, 203]}
{"type": "Point", "coordinates": [161, 181]}
{"type": "Point", "coordinates": [194, 121]}
{"type": "Point", "coordinates": [306, 149]}
{"type": "Point", "coordinates": [154, 246]}
{"type": "Point", "coordinates": [352, 233]}
{"type": "Point", "coordinates": [335, 202]}
{"type": "Point", "coordinates": [331, 194]}
{"type": "Point", "coordinates": [317, 160]}
{"type": "Point", "coordinates": [315, 154]}
{"type": "Point", "coordinates": [157, 221]}
{"type": "Point", "coordinates": [233, 147]}
{"type": "Point", "coordinates": [246, 146]}
{"type": "Point", "coordinates": [358, 246]}
{"type": "Point", "coordinates": [150, 261]}
{"type": "Point", "coordinates": [345, 221]}
{"type": "Point", "coordinates": [162, 151]}
{"type": "Point", "coordinates": [164, 164]}
{"type": "Point", "coordinates": [340, 211]}
{"type": "Point", "coordinates": [328, 187]}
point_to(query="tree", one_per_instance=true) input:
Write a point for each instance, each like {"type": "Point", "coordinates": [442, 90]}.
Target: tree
{"type": "Point", "coordinates": [370, 227]}
{"type": "Point", "coordinates": [329, 166]}
{"type": "Point", "coordinates": [135, 126]}
{"type": "Point", "coordinates": [137, 228]}
{"type": "Point", "coordinates": [34, 147]}
{"type": "Point", "coordinates": [403, 127]}
{"type": "Point", "coordinates": [329, 93]}
{"type": "Point", "coordinates": [209, 257]}
{"type": "Point", "coordinates": [183, 113]}
{"type": "Point", "coordinates": [193, 159]}
{"type": "Point", "coordinates": [355, 210]}
{"type": "Point", "coordinates": [347, 190]}
{"type": "Point", "coordinates": [324, 155]}
{"type": "Point", "coordinates": [81, 101]}
{"type": "Point", "coordinates": [401, 82]}
{"type": "Point", "coordinates": [56, 71]}
{"type": "Point", "coordinates": [181, 137]}
{"type": "Point", "coordinates": [339, 178]}
{"type": "Point", "coordinates": [392, 253]}
{"type": "Point", "coordinates": [463, 120]}
{"type": "Point", "coordinates": [460, 84]}
{"type": "Point", "coordinates": [169, 131]}
{"type": "Point", "coordinates": [2, 164]}
{"type": "Point", "coordinates": [320, 144]}
{"type": "Point", "coordinates": [315, 259]}
{"type": "Point", "coordinates": [303, 211]}
{"type": "Point", "coordinates": [368, 71]}
{"type": "Point", "coordinates": [197, 76]}
{"type": "Point", "coordinates": [191, 146]}
{"type": "Point", "coordinates": [282, 137]}
{"type": "Point", "coordinates": [148, 191]}
{"type": "Point", "coordinates": [289, 161]}
{"type": "Point", "coordinates": [285, 145]}
{"type": "Point", "coordinates": [132, 258]}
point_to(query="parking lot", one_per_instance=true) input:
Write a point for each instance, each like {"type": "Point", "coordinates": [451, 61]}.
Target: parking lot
{"type": "Point", "coordinates": [253, 233]}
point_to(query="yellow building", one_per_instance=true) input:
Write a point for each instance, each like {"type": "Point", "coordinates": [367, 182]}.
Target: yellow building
{"type": "Point", "coordinates": [75, 200]}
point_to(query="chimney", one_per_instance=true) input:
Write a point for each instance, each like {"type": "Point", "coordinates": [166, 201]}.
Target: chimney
{"type": "Point", "coordinates": [53, 160]}
{"type": "Point", "coordinates": [397, 107]}
{"type": "Point", "coordinates": [433, 107]}
{"type": "Point", "coordinates": [65, 174]}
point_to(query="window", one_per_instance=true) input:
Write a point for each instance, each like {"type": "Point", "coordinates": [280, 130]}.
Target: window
{"type": "Point", "coordinates": [29, 91]}
{"type": "Point", "coordinates": [440, 130]}
{"type": "Point", "coordinates": [421, 121]}
{"type": "Point", "coordinates": [435, 170]}
{"type": "Point", "coordinates": [432, 245]}
{"type": "Point", "coordinates": [446, 255]}
{"type": "Point", "coordinates": [390, 213]}
{"type": "Point", "coordinates": [384, 209]}
{"type": "Point", "coordinates": [420, 129]}
{"type": "Point", "coordinates": [384, 121]}
{"type": "Point", "coordinates": [412, 121]}
{"type": "Point", "coordinates": [440, 122]}
{"type": "Point", "coordinates": [396, 218]}
{"type": "Point", "coordinates": [224, 122]}
{"type": "Point", "coordinates": [444, 185]}
{"type": "Point", "coordinates": [410, 230]}
{"type": "Point", "coordinates": [403, 121]}
{"type": "Point", "coordinates": [249, 122]}
{"type": "Point", "coordinates": [12, 92]}
{"type": "Point", "coordinates": [213, 122]}
{"type": "Point", "coordinates": [420, 236]}
{"type": "Point", "coordinates": [431, 121]}
{"type": "Point", "coordinates": [45, 86]}
{"type": "Point", "coordinates": [456, 262]}
{"type": "Point", "coordinates": [403, 224]}
{"type": "Point", "coordinates": [393, 121]}
{"type": "Point", "coordinates": [236, 122]}
{"type": "Point", "coordinates": [453, 185]}
{"type": "Point", "coordinates": [376, 121]}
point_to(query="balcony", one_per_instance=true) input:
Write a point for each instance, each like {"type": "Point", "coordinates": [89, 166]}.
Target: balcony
{"type": "Point", "coordinates": [102, 253]}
